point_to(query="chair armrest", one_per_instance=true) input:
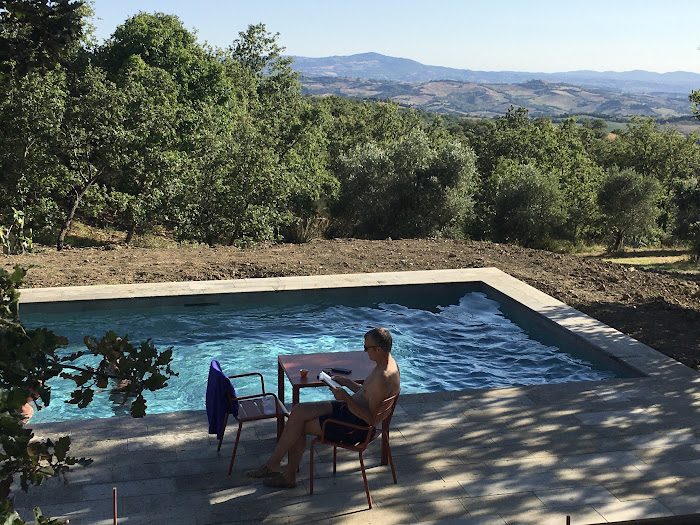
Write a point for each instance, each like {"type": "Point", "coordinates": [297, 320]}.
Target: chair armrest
{"type": "Point", "coordinates": [277, 404]}
{"type": "Point", "coordinates": [262, 381]}
{"type": "Point", "coordinates": [247, 397]}
{"type": "Point", "coordinates": [254, 396]}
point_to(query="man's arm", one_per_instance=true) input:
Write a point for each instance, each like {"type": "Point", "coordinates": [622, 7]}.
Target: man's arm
{"type": "Point", "coordinates": [365, 413]}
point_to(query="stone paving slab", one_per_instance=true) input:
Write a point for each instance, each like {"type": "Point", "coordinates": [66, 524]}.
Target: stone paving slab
{"type": "Point", "coordinates": [683, 504]}
{"type": "Point", "coordinates": [575, 496]}
{"type": "Point", "coordinates": [513, 484]}
{"type": "Point", "coordinates": [647, 489]}
{"type": "Point", "coordinates": [582, 515]}
{"type": "Point", "coordinates": [471, 520]}
{"type": "Point", "coordinates": [632, 510]}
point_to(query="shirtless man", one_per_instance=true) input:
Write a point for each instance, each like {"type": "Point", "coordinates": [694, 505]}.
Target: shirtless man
{"type": "Point", "coordinates": [358, 408]}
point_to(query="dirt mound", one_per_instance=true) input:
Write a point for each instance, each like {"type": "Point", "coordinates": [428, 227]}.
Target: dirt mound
{"type": "Point", "coordinates": [661, 310]}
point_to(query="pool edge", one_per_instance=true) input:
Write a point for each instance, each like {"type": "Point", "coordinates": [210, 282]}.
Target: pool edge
{"type": "Point", "coordinates": [618, 346]}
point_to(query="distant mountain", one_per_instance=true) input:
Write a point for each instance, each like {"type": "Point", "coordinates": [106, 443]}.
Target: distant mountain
{"type": "Point", "coordinates": [491, 100]}
{"type": "Point", "coordinates": [374, 66]}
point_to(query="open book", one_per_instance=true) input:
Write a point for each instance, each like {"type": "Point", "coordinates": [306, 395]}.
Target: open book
{"type": "Point", "coordinates": [327, 379]}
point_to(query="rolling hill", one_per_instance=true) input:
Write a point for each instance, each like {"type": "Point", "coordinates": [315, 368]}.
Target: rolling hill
{"type": "Point", "coordinates": [491, 93]}
{"type": "Point", "coordinates": [490, 100]}
{"type": "Point", "coordinates": [381, 67]}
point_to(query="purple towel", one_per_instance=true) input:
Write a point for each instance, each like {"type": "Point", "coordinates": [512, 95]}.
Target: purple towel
{"type": "Point", "coordinates": [217, 402]}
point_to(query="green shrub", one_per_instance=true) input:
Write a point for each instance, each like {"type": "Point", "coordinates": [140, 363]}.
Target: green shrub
{"type": "Point", "coordinates": [409, 188]}
{"type": "Point", "coordinates": [686, 202]}
{"type": "Point", "coordinates": [629, 205]}
{"type": "Point", "coordinates": [523, 205]}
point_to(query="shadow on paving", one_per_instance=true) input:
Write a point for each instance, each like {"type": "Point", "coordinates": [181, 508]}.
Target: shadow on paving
{"type": "Point", "coordinates": [603, 451]}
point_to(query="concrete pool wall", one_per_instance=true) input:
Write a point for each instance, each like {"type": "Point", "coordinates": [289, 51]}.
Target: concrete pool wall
{"type": "Point", "coordinates": [539, 307]}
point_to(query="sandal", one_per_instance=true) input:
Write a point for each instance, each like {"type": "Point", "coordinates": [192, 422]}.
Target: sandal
{"type": "Point", "coordinates": [279, 482]}
{"type": "Point", "coordinates": [263, 471]}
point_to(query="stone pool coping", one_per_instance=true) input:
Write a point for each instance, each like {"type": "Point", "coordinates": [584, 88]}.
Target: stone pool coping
{"type": "Point", "coordinates": [620, 347]}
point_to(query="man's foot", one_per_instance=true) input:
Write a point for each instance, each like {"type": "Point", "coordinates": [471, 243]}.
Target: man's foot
{"type": "Point", "coordinates": [279, 481]}
{"type": "Point", "coordinates": [263, 471]}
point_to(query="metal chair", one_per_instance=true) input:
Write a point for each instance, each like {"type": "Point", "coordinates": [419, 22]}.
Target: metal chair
{"type": "Point", "coordinates": [382, 415]}
{"type": "Point", "coordinates": [222, 401]}
{"type": "Point", "coordinates": [253, 408]}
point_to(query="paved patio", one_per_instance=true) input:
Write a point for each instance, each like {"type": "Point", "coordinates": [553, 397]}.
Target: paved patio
{"type": "Point", "coordinates": [607, 451]}
{"type": "Point", "coordinates": [598, 451]}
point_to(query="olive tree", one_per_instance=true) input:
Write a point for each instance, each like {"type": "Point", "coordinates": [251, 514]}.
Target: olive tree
{"type": "Point", "coordinates": [522, 204]}
{"type": "Point", "coordinates": [686, 201]}
{"type": "Point", "coordinates": [415, 187]}
{"type": "Point", "coordinates": [559, 151]}
{"type": "Point", "coordinates": [695, 101]}
{"type": "Point", "coordinates": [31, 111]}
{"type": "Point", "coordinates": [662, 153]}
{"type": "Point", "coordinates": [90, 144]}
{"type": "Point", "coordinates": [629, 205]}
{"type": "Point", "coordinates": [40, 34]}
{"type": "Point", "coordinates": [151, 164]}
{"type": "Point", "coordinates": [258, 160]}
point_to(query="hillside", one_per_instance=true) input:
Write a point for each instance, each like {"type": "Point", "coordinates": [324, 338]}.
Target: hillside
{"type": "Point", "coordinates": [489, 100]}
{"type": "Point", "coordinates": [381, 67]}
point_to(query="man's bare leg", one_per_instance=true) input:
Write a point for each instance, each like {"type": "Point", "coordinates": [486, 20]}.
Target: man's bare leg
{"type": "Point", "coordinates": [296, 452]}
{"type": "Point", "coordinates": [302, 421]}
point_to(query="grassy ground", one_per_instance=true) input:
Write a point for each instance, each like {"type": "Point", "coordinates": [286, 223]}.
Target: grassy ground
{"type": "Point", "coordinates": [659, 259]}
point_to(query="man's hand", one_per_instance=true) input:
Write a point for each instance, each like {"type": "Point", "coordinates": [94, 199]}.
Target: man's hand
{"type": "Point", "coordinates": [340, 394]}
{"type": "Point", "coordinates": [347, 382]}
{"type": "Point", "coordinates": [341, 380]}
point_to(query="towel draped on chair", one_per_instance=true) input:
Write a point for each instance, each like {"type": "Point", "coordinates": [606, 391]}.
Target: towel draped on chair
{"type": "Point", "coordinates": [218, 404]}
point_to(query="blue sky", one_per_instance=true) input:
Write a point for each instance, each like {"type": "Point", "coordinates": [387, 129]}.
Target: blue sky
{"type": "Point", "coordinates": [517, 35]}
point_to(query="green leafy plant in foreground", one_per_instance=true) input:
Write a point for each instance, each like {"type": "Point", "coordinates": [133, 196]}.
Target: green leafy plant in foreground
{"type": "Point", "coordinates": [28, 359]}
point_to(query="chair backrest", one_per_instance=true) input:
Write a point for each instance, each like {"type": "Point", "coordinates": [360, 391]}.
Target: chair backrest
{"type": "Point", "coordinates": [384, 411]}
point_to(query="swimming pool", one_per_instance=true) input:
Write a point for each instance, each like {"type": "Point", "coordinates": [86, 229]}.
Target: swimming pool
{"type": "Point", "coordinates": [447, 337]}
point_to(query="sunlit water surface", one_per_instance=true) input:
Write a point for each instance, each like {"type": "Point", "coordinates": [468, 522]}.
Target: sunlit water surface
{"type": "Point", "coordinates": [447, 343]}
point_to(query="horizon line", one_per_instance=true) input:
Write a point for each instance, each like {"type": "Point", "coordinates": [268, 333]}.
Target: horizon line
{"type": "Point", "coordinates": [502, 70]}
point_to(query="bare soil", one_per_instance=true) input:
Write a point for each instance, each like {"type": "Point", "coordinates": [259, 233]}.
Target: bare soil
{"type": "Point", "coordinates": [661, 310]}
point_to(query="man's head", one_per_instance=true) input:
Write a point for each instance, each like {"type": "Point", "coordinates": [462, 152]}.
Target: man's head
{"type": "Point", "coordinates": [378, 337]}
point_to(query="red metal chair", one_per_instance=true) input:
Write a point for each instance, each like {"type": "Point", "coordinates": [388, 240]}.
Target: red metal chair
{"type": "Point", "coordinates": [253, 408]}
{"type": "Point", "coordinates": [383, 415]}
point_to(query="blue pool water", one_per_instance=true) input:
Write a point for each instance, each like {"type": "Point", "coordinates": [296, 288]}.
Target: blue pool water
{"type": "Point", "coordinates": [451, 340]}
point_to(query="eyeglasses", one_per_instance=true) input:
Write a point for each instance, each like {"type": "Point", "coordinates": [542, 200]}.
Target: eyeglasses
{"type": "Point", "coordinates": [368, 347]}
